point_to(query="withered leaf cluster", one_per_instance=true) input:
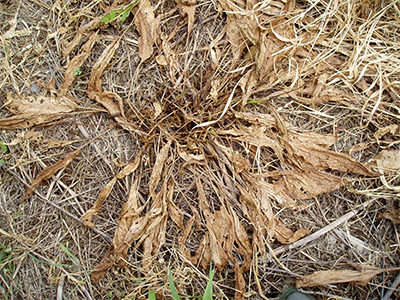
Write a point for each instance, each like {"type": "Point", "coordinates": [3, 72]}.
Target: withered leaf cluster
{"type": "Point", "coordinates": [217, 184]}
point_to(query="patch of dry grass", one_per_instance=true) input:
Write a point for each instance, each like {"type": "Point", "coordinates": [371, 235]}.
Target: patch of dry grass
{"type": "Point", "coordinates": [312, 67]}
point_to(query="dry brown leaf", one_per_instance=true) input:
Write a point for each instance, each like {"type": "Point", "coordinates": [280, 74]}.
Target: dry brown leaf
{"type": "Point", "coordinates": [306, 159]}
{"type": "Point", "coordinates": [260, 219]}
{"type": "Point", "coordinates": [264, 58]}
{"type": "Point", "coordinates": [314, 87]}
{"type": "Point", "coordinates": [116, 110]}
{"type": "Point", "coordinates": [175, 213]}
{"type": "Point", "coordinates": [338, 276]}
{"type": "Point", "coordinates": [392, 215]}
{"type": "Point", "coordinates": [40, 105]}
{"type": "Point", "coordinates": [241, 164]}
{"type": "Point", "coordinates": [94, 85]}
{"type": "Point", "coordinates": [109, 259]}
{"type": "Point", "coordinates": [261, 119]}
{"type": "Point", "coordinates": [204, 251]}
{"type": "Point", "coordinates": [392, 129]}
{"type": "Point", "coordinates": [235, 36]}
{"type": "Point", "coordinates": [301, 184]}
{"type": "Point", "coordinates": [217, 227]}
{"type": "Point", "coordinates": [130, 227]}
{"type": "Point", "coordinates": [386, 161]}
{"type": "Point", "coordinates": [161, 60]}
{"type": "Point", "coordinates": [48, 172]}
{"type": "Point", "coordinates": [182, 240]}
{"type": "Point", "coordinates": [129, 214]}
{"type": "Point", "coordinates": [216, 53]}
{"type": "Point", "coordinates": [158, 167]}
{"type": "Point", "coordinates": [322, 159]}
{"type": "Point", "coordinates": [130, 168]}
{"type": "Point", "coordinates": [146, 24]}
{"type": "Point", "coordinates": [247, 83]}
{"type": "Point", "coordinates": [255, 135]}
{"type": "Point", "coordinates": [92, 25]}
{"type": "Point", "coordinates": [158, 109]}
{"type": "Point", "coordinates": [309, 137]}
{"type": "Point", "coordinates": [101, 269]}
{"type": "Point", "coordinates": [76, 63]}
{"type": "Point", "coordinates": [242, 239]}
{"type": "Point", "coordinates": [171, 59]}
{"type": "Point", "coordinates": [26, 121]}
{"type": "Point", "coordinates": [138, 228]}
{"type": "Point", "coordinates": [240, 284]}
{"type": "Point", "coordinates": [53, 143]}
{"type": "Point", "coordinates": [34, 110]}
{"type": "Point", "coordinates": [329, 94]}
{"type": "Point", "coordinates": [33, 136]}
{"type": "Point", "coordinates": [105, 192]}
{"type": "Point", "coordinates": [306, 184]}
{"type": "Point", "coordinates": [298, 235]}
{"type": "Point", "coordinates": [242, 26]}
{"type": "Point", "coordinates": [281, 232]}
{"type": "Point", "coordinates": [278, 192]}
{"type": "Point", "coordinates": [187, 156]}
{"type": "Point", "coordinates": [359, 147]}
{"type": "Point", "coordinates": [107, 99]}
{"type": "Point", "coordinates": [154, 236]}
{"type": "Point", "coordinates": [155, 240]}
{"type": "Point", "coordinates": [187, 7]}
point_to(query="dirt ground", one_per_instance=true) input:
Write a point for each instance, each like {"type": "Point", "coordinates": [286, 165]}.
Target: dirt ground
{"type": "Point", "coordinates": [139, 138]}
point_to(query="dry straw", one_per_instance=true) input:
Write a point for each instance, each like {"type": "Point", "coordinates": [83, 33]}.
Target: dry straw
{"type": "Point", "coordinates": [257, 136]}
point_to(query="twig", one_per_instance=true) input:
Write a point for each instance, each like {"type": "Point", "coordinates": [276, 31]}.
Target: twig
{"type": "Point", "coordinates": [392, 288]}
{"type": "Point", "coordinates": [60, 288]}
{"type": "Point", "coordinates": [43, 199]}
{"type": "Point", "coordinates": [86, 293]}
{"type": "Point", "coordinates": [319, 233]}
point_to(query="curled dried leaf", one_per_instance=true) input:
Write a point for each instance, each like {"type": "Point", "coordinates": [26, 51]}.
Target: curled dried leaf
{"type": "Point", "coordinates": [75, 64]}
{"type": "Point", "coordinates": [48, 172]}
{"type": "Point", "coordinates": [146, 24]}
{"type": "Point", "coordinates": [323, 159]}
{"type": "Point", "coordinates": [105, 192]}
{"type": "Point", "coordinates": [92, 25]}
{"type": "Point", "coordinates": [188, 7]}
{"type": "Point", "coordinates": [338, 276]}
{"type": "Point", "coordinates": [34, 110]}
{"type": "Point", "coordinates": [158, 167]}
{"type": "Point", "coordinates": [94, 85]}
{"type": "Point", "coordinates": [386, 161]}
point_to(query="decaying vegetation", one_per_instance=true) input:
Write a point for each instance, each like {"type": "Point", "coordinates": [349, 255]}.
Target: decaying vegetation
{"type": "Point", "coordinates": [257, 136]}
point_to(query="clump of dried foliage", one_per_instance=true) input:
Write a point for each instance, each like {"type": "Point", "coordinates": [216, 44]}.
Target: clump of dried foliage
{"type": "Point", "coordinates": [258, 136]}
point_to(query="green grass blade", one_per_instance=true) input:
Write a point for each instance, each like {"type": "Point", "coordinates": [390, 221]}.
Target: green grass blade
{"type": "Point", "coordinates": [208, 294]}
{"type": "Point", "coordinates": [120, 14]}
{"type": "Point", "coordinates": [124, 15]}
{"type": "Point", "coordinates": [73, 257]}
{"type": "Point", "coordinates": [152, 295]}
{"type": "Point", "coordinates": [174, 292]}
{"type": "Point", "coordinates": [111, 16]}
{"type": "Point", "coordinates": [3, 147]}
{"type": "Point", "coordinates": [47, 263]}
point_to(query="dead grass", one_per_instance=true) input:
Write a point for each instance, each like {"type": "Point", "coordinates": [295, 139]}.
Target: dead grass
{"type": "Point", "coordinates": [268, 172]}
